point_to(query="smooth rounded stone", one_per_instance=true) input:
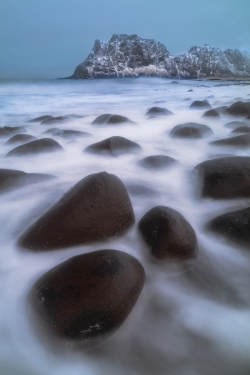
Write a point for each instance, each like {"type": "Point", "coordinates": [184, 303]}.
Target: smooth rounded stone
{"type": "Point", "coordinates": [241, 129]}
{"type": "Point", "coordinates": [69, 133]}
{"type": "Point", "coordinates": [86, 298]}
{"type": "Point", "coordinates": [96, 208]}
{"type": "Point", "coordinates": [157, 162]}
{"type": "Point", "coordinates": [190, 90]}
{"type": "Point", "coordinates": [222, 109]}
{"type": "Point", "coordinates": [9, 130]}
{"type": "Point", "coordinates": [55, 120]}
{"type": "Point", "coordinates": [158, 111]}
{"type": "Point", "coordinates": [38, 146]}
{"type": "Point", "coordinates": [235, 226]}
{"type": "Point", "coordinates": [200, 104]}
{"type": "Point", "coordinates": [20, 138]}
{"type": "Point", "coordinates": [238, 141]}
{"type": "Point", "coordinates": [211, 113]}
{"type": "Point", "coordinates": [51, 131]}
{"type": "Point", "coordinates": [11, 178]}
{"type": "Point", "coordinates": [168, 234]}
{"type": "Point", "coordinates": [140, 190]}
{"type": "Point", "coordinates": [234, 124]}
{"type": "Point", "coordinates": [41, 118]}
{"type": "Point", "coordinates": [239, 109]}
{"type": "Point", "coordinates": [110, 119]}
{"type": "Point", "coordinates": [190, 130]}
{"type": "Point", "coordinates": [225, 178]}
{"type": "Point", "coordinates": [113, 146]}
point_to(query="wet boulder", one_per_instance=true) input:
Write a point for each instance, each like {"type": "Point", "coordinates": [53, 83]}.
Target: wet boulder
{"type": "Point", "coordinates": [110, 119]}
{"type": "Point", "coordinates": [241, 129]}
{"type": "Point", "coordinates": [96, 208]}
{"type": "Point", "coordinates": [200, 104]}
{"type": "Point", "coordinates": [168, 234]}
{"type": "Point", "coordinates": [113, 146]}
{"type": "Point", "coordinates": [86, 298]}
{"type": "Point", "coordinates": [69, 133]}
{"type": "Point", "coordinates": [41, 118]}
{"type": "Point", "coordinates": [190, 130]}
{"type": "Point", "coordinates": [222, 109]}
{"type": "Point", "coordinates": [239, 109]}
{"type": "Point", "coordinates": [235, 226]}
{"type": "Point", "coordinates": [157, 162]}
{"type": "Point", "coordinates": [12, 179]}
{"type": "Point", "coordinates": [211, 113]}
{"type": "Point", "coordinates": [51, 131]}
{"type": "Point", "coordinates": [238, 141]}
{"type": "Point", "coordinates": [158, 111]}
{"type": "Point", "coordinates": [55, 120]}
{"type": "Point", "coordinates": [225, 178]}
{"type": "Point", "coordinates": [20, 139]}
{"type": "Point", "coordinates": [234, 124]}
{"type": "Point", "coordinates": [38, 146]}
{"type": "Point", "coordinates": [10, 130]}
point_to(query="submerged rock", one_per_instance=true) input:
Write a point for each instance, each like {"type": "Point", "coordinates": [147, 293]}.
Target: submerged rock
{"type": "Point", "coordinates": [200, 104]}
{"type": "Point", "coordinates": [157, 162]}
{"type": "Point", "coordinates": [41, 118]}
{"type": "Point", "coordinates": [158, 111]}
{"type": "Point", "coordinates": [9, 130]}
{"type": "Point", "coordinates": [140, 190]}
{"type": "Point", "coordinates": [234, 124]}
{"type": "Point", "coordinates": [222, 109]}
{"type": "Point", "coordinates": [225, 178]}
{"type": "Point", "coordinates": [20, 138]}
{"type": "Point", "coordinates": [190, 130]}
{"type": "Point", "coordinates": [168, 234]}
{"type": "Point", "coordinates": [86, 298]}
{"type": "Point", "coordinates": [96, 208]}
{"type": "Point", "coordinates": [211, 113]}
{"type": "Point", "coordinates": [239, 109]}
{"type": "Point", "coordinates": [12, 179]}
{"type": "Point", "coordinates": [238, 141]}
{"type": "Point", "coordinates": [241, 129]}
{"type": "Point", "coordinates": [109, 119]}
{"type": "Point", "coordinates": [69, 133]}
{"type": "Point", "coordinates": [113, 146]}
{"type": "Point", "coordinates": [235, 226]}
{"type": "Point", "coordinates": [36, 147]}
{"type": "Point", "coordinates": [54, 120]}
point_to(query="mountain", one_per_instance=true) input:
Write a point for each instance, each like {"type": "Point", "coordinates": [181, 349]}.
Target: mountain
{"type": "Point", "coordinates": [131, 56]}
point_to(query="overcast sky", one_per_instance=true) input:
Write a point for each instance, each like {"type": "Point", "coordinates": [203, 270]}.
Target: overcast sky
{"type": "Point", "coordinates": [49, 38]}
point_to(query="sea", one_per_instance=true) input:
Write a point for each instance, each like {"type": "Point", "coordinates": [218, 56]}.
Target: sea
{"type": "Point", "coordinates": [192, 317]}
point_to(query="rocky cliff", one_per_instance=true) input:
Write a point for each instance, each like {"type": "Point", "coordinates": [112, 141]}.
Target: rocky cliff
{"type": "Point", "coordinates": [131, 56]}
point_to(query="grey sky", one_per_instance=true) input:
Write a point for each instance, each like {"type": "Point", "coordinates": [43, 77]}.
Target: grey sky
{"type": "Point", "coordinates": [48, 38]}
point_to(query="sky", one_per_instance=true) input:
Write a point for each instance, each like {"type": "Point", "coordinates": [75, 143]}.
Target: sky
{"type": "Point", "coordinates": [49, 38]}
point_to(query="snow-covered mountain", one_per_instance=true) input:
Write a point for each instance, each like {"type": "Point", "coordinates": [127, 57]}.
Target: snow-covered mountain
{"type": "Point", "coordinates": [131, 56]}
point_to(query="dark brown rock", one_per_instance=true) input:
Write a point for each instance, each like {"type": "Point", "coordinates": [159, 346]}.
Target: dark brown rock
{"type": "Point", "coordinates": [96, 208]}
{"type": "Point", "coordinates": [36, 147]}
{"type": "Point", "coordinates": [41, 118]}
{"type": "Point", "coordinates": [238, 141]}
{"type": "Point", "coordinates": [225, 178]}
{"type": "Point", "coordinates": [200, 104]}
{"type": "Point", "coordinates": [168, 234]}
{"type": "Point", "coordinates": [11, 179]}
{"type": "Point", "coordinates": [158, 111]}
{"type": "Point", "coordinates": [10, 130]}
{"type": "Point", "coordinates": [20, 138]}
{"type": "Point", "coordinates": [211, 113]}
{"type": "Point", "coordinates": [241, 129]}
{"type": "Point", "coordinates": [235, 226]}
{"type": "Point", "coordinates": [110, 119]}
{"type": "Point", "coordinates": [113, 146]}
{"type": "Point", "coordinates": [157, 162]}
{"type": "Point", "coordinates": [239, 109]}
{"type": "Point", "coordinates": [86, 298]}
{"type": "Point", "coordinates": [190, 130]}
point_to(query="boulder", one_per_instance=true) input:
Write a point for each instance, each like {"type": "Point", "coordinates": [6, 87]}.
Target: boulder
{"type": "Point", "coordinates": [239, 109]}
{"type": "Point", "coordinates": [20, 138]}
{"type": "Point", "coordinates": [238, 141]}
{"type": "Point", "coordinates": [158, 111]}
{"type": "Point", "coordinates": [10, 130]}
{"type": "Point", "coordinates": [69, 133]}
{"type": "Point", "coordinates": [168, 234]}
{"type": "Point", "coordinates": [140, 190]}
{"type": "Point", "coordinates": [190, 90]}
{"type": "Point", "coordinates": [225, 178]}
{"type": "Point", "coordinates": [54, 120]}
{"type": "Point", "coordinates": [41, 118]}
{"type": "Point", "coordinates": [96, 208]}
{"type": "Point", "coordinates": [36, 147]}
{"type": "Point", "coordinates": [86, 298]}
{"type": "Point", "coordinates": [200, 104]}
{"type": "Point", "coordinates": [11, 179]}
{"type": "Point", "coordinates": [211, 113]}
{"type": "Point", "coordinates": [190, 130]}
{"type": "Point", "coordinates": [241, 129]}
{"type": "Point", "coordinates": [113, 146]}
{"type": "Point", "coordinates": [235, 226]}
{"type": "Point", "coordinates": [51, 131]}
{"type": "Point", "coordinates": [234, 124]}
{"type": "Point", "coordinates": [157, 162]}
{"type": "Point", "coordinates": [222, 109]}
{"type": "Point", "coordinates": [247, 119]}
{"type": "Point", "coordinates": [110, 119]}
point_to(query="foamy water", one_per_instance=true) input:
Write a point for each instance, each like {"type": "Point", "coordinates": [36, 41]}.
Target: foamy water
{"type": "Point", "coordinates": [191, 318]}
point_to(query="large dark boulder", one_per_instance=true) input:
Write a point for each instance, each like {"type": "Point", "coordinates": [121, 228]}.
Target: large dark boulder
{"type": "Point", "coordinates": [113, 146]}
{"type": "Point", "coordinates": [10, 130]}
{"type": "Point", "coordinates": [69, 133]}
{"type": "Point", "coordinates": [41, 118]}
{"type": "Point", "coordinates": [241, 129]}
{"type": "Point", "coordinates": [239, 109]}
{"type": "Point", "coordinates": [168, 234]}
{"type": "Point", "coordinates": [190, 130]}
{"type": "Point", "coordinates": [20, 138]}
{"type": "Point", "coordinates": [235, 226]}
{"type": "Point", "coordinates": [238, 141]}
{"type": "Point", "coordinates": [200, 104]}
{"type": "Point", "coordinates": [36, 147]}
{"type": "Point", "coordinates": [96, 208]}
{"type": "Point", "coordinates": [86, 298]}
{"type": "Point", "coordinates": [211, 113]}
{"type": "Point", "coordinates": [11, 179]}
{"type": "Point", "coordinates": [110, 119]}
{"type": "Point", "coordinates": [225, 177]}
{"type": "Point", "coordinates": [158, 111]}
{"type": "Point", "coordinates": [157, 162]}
